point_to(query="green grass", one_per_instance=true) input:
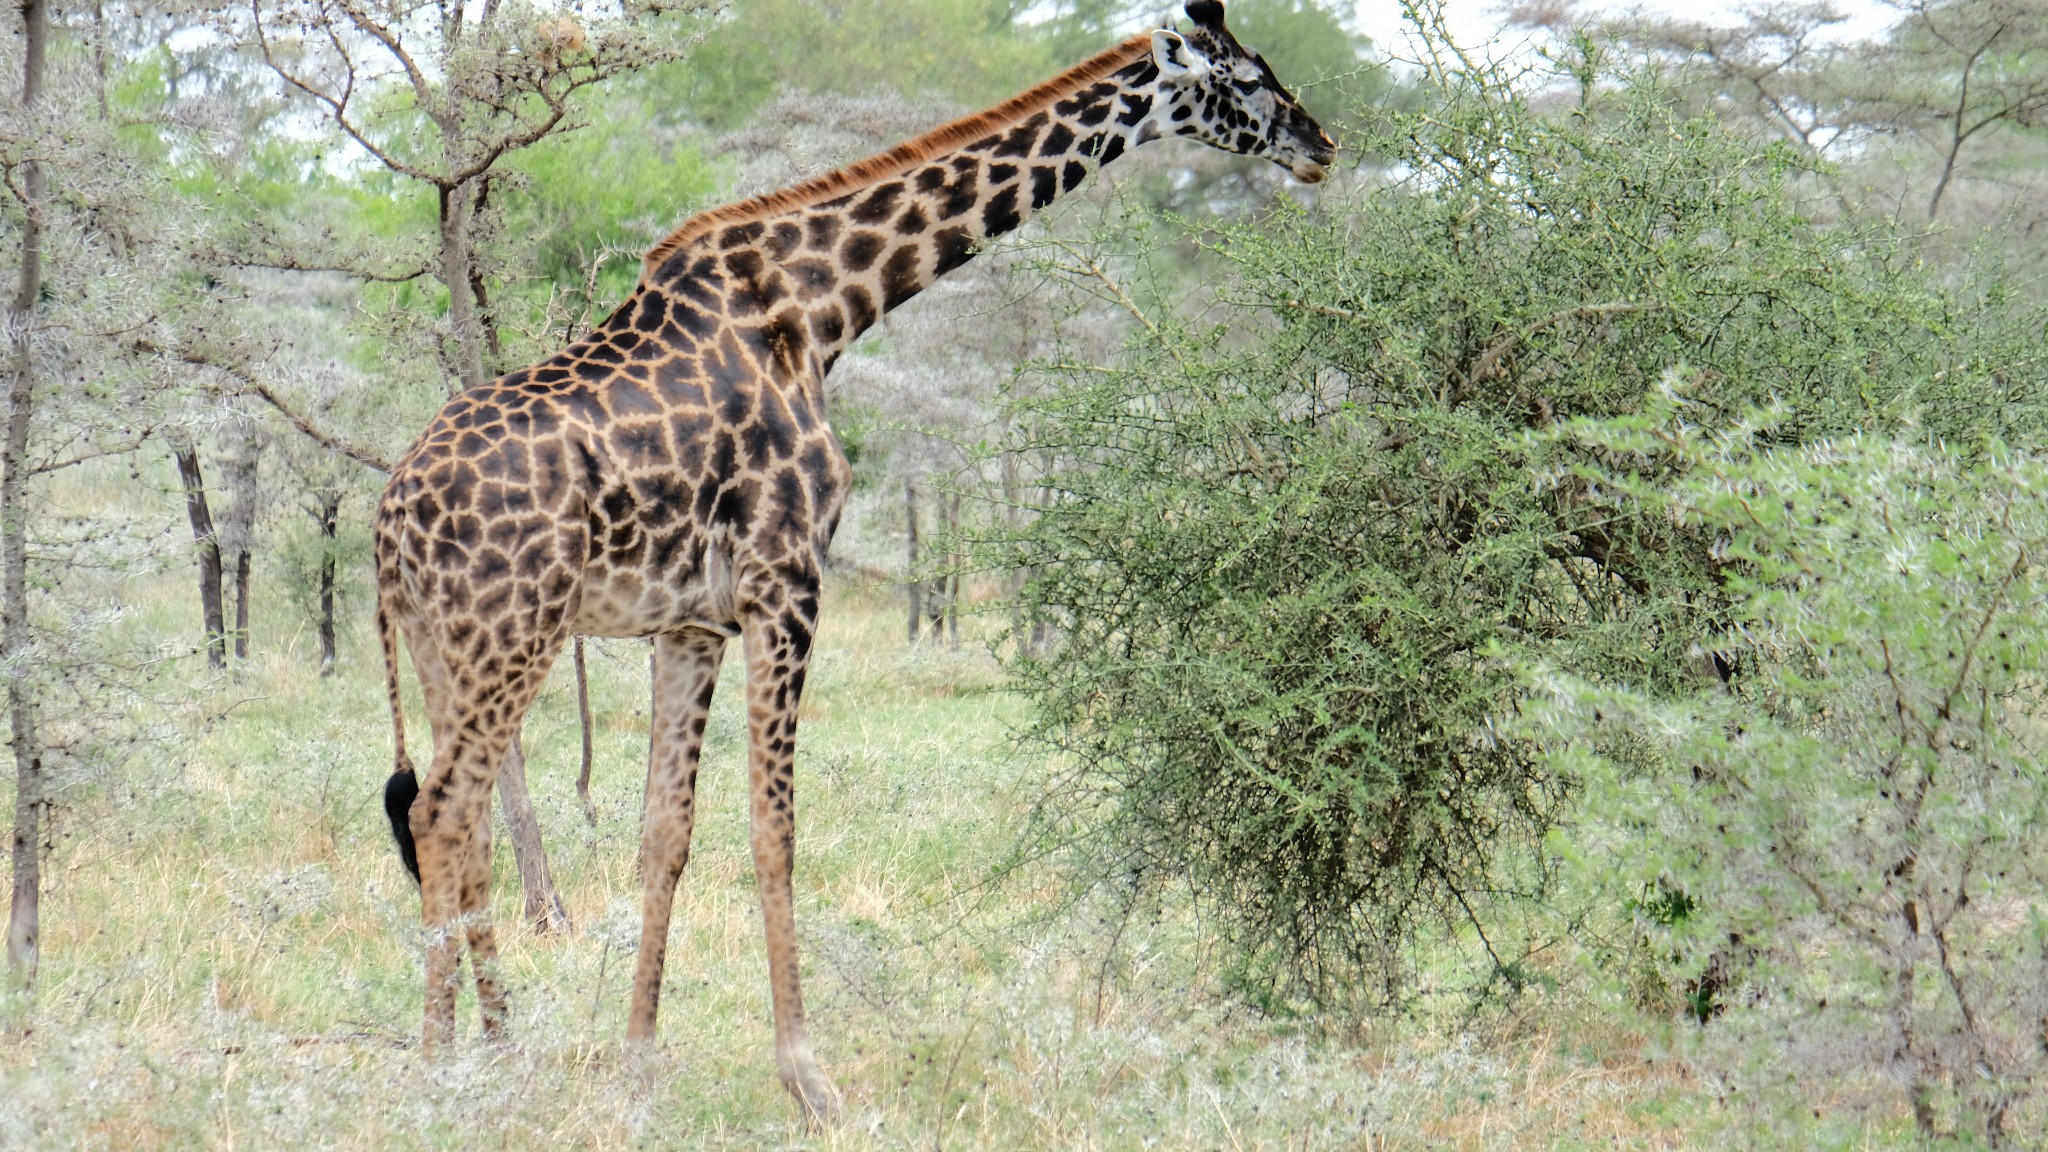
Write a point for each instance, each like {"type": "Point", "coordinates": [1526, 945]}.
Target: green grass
{"type": "Point", "coordinates": [231, 954]}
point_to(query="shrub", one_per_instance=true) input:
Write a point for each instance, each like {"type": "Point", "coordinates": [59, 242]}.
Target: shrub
{"type": "Point", "coordinates": [1857, 813]}
{"type": "Point", "coordinates": [1292, 562]}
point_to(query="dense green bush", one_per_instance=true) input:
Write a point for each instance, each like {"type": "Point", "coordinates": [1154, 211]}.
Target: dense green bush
{"type": "Point", "coordinates": [1290, 564]}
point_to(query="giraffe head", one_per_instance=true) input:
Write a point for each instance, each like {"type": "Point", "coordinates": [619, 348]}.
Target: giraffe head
{"type": "Point", "coordinates": [1225, 95]}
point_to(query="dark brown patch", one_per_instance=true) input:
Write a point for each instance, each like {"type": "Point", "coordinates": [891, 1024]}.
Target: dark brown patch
{"type": "Point", "coordinates": [860, 250]}
{"type": "Point", "coordinates": [899, 277]}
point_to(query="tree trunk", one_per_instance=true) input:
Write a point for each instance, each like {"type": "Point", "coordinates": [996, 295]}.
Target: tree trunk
{"type": "Point", "coordinates": [456, 205]}
{"type": "Point", "coordinates": [208, 543]}
{"type": "Point", "coordinates": [242, 604]}
{"type": "Point", "coordinates": [952, 575]}
{"type": "Point", "coordinates": [1013, 515]}
{"type": "Point", "coordinates": [237, 470]}
{"type": "Point", "coordinates": [487, 320]}
{"type": "Point", "coordinates": [544, 908]}
{"type": "Point", "coordinates": [99, 55]}
{"type": "Point", "coordinates": [330, 520]}
{"type": "Point", "coordinates": [24, 914]}
{"type": "Point", "coordinates": [914, 586]}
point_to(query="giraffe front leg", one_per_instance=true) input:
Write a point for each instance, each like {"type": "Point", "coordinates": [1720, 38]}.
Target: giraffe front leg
{"type": "Point", "coordinates": [778, 646]}
{"type": "Point", "coordinates": [685, 673]}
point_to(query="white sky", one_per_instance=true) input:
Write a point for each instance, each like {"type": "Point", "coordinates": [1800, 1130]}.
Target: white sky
{"type": "Point", "coordinates": [1478, 23]}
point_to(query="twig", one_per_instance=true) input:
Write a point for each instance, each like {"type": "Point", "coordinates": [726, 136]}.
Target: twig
{"type": "Point", "coordinates": [1491, 356]}
{"type": "Point", "coordinates": [946, 1089]}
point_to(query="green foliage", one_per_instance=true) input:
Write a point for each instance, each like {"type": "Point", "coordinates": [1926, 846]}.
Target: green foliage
{"type": "Point", "coordinates": [975, 52]}
{"type": "Point", "coordinates": [581, 208]}
{"type": "Point", "coordinates": [1292, 576]}
{"type": "Point", "coordinates": [1854, 815]}
{"type": "Point", "coordinates": [972, 51]}
{"type": "Point", "coordinates": [587, 190]}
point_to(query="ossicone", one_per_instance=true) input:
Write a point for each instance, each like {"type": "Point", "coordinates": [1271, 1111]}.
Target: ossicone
{"type": "Point", "coordinates": [1206, 13]}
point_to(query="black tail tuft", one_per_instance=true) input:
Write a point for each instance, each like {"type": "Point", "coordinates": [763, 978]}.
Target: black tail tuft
{"type": "Point", "coordinates": [399, 793]}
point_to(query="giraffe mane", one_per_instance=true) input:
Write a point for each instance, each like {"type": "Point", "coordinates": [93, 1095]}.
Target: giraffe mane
{"type": "Point", "coordinates": [904, 156]}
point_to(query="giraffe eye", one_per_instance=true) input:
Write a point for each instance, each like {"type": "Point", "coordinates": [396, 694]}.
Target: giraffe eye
{"type": "Point", "coordinates": [1247, 85]}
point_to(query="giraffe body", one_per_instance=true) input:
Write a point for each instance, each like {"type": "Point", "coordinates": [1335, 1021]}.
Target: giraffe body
{"type": "Point", "coordinates": [674, 475]}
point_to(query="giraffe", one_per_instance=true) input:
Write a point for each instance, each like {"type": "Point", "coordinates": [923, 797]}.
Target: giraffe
{"type": "Point", "coordinates": [674, 475]}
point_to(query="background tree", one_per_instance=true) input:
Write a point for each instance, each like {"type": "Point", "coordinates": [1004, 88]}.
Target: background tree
{"type": "Point", "coordinates": [441, 95]}
{"type": "Point", "coordinates": [107, 293]}
{"type": "Point", "coordinates": [30, 190]}
{"type": "Point", "coordinates": [1953, 90]}
{"type": "Point", "coordinates": [1856, 806]}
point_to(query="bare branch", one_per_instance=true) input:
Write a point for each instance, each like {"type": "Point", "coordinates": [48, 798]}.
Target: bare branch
{"type": "Point", "coordinates": [294, 264]}
{"type": "Point", "coordinates": [337, 106]}
{"type": "Point", "coordinates": [315, 433]}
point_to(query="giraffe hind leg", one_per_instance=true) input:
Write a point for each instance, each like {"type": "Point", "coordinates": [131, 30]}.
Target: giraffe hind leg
{"type": "Point", "coordinates": [475, 723]}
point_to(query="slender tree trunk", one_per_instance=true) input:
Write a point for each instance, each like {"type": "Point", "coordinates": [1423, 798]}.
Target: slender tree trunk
{"type": "Point", "coordinates": [583, 716]}
{"type": "Point", "coordinates": [1013, 515]}
{"type": "Point", "coordinates": [238, 471]}
{"type": "Point", "coordinates": [544, 907]}
{"type": "Point", "coordinates": [935, 590]}
{"type": "Point", "coordinates": [953, 565]}
{"type": "Point", "coordinates": [487, 320]}
{"type": "Point", "coordinates": [912, 584]}
{"type": "Point", "coordinates": [99, 55]}
{"type": "Point", "coordinates": [242, 604]}
{"type": "Point", "coordinates": [494, 343]}
{"type": "Point", "coordinates": [330, 521]}
{"type": "Point", "coordinates": [24, 914]}
{"type": "Point", "coordinates": [208, 542]}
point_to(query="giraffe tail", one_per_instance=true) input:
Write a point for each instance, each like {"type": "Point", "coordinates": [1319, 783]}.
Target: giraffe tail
{"type": "Point", "coordinates": [404, 786]}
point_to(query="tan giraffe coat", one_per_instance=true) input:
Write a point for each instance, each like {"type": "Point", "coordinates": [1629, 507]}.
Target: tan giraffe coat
{"type": "Point", "coordinates": [674, 475]}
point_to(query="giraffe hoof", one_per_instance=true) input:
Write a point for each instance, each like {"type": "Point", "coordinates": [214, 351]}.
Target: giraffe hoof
{"type": "Point", "coordinates": [819, 1100]}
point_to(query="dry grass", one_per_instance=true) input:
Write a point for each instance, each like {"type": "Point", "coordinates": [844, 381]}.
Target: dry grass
{"type": "Point", "coordinates": [231, 960]}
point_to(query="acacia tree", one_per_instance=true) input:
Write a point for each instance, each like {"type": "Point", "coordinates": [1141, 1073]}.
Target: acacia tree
{"type": "Point", "coordinates": [442, 95]}
{"type": "Point", "coordinates": [1955, 76]}
{"type": "Point", "coordinates": [105, 290]}
{"type": "Point", "coordinates": [1859, 807]}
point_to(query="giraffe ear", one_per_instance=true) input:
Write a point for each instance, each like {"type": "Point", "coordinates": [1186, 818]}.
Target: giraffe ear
{"type": "Point", "coordinates": [1178, 61]}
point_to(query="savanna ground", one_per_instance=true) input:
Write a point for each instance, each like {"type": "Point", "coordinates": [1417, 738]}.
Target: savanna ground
{"type": "Point", "coordinates": [231, 954]}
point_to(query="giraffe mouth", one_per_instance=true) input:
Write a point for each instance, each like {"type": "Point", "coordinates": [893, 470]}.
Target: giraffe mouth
{"type": "Point", "coordinates": [1312, 162]}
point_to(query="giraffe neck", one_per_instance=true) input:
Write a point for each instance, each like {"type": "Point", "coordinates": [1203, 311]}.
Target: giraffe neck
{"type": "Point", "coordinates": [820, 272]}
